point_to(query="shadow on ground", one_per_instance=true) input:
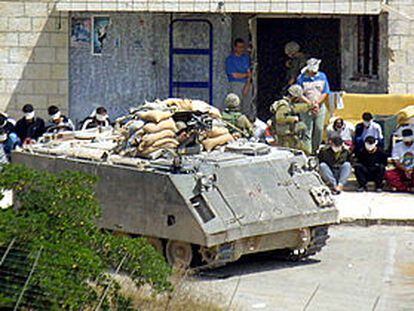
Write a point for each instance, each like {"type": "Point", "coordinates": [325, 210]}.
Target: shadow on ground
{"type": "Point", "coordinates": [251, 264]}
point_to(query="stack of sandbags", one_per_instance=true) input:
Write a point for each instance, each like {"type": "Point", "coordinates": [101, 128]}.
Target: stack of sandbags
{"type": "Point", "coordinates": [179, 104]}
{"type": "Point", "coordinates": [217, 137]}
{"type": "Point", "coordinates": [159, 132]}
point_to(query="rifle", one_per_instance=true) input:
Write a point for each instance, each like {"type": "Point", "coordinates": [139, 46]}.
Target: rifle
{"type": "Point", "coordinates": [244, 133]}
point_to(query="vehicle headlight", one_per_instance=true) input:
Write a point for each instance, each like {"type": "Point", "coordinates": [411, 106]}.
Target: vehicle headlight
{"type": "Point", "coordinates": [207, 181]}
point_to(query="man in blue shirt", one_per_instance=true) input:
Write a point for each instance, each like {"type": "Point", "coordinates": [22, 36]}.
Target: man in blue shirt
{"type": "Point", "coordinates": [315, 86]}
{"type": "Point", "coordinates": [238, 70]}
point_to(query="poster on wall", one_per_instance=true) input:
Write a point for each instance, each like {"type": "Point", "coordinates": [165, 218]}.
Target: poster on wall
{"type": "Point", "coordinates": [80, 34]}
{"type": "Point", "coordinates": [100, 30]}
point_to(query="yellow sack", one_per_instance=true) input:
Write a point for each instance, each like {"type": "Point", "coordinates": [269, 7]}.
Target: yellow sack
{"type": "Point", "coordinates": [215, 113]}
{"type": "Point", "coordinates": [150, 139]}
{"type": "Point", "coordinates": [211, 143]}
{"type": "Point", "coordinates": [181, 104]}
{"type": "Point", "coordinates": [154, 115]}
{"type": "Point", "coordinates": [148, 151]}
{"type": "Point", "coordinates": [217, 131]}
{"type": "Point", "coordinates": [143, 146]}
{"type": "Point", "coordinates": [167, 124]}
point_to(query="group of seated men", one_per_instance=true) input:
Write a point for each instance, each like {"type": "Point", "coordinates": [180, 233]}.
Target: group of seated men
{"type": "Point", "coordinates": [30, 127]}
{"type": "Point", "coordinates": [348, 148]}
{"type": "Point", "coordinates": [362, 148]}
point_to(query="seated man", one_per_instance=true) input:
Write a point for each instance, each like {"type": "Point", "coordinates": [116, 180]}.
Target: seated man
{"type": "Point", "coordinates": [235, 120]}
{"type": "Point", "coordinates": [367, 128]}
{"type": "Point", "coordinates": [29, 128]}
{"type": "Point", "coordinates": [335, 166]}
{"type": "Point", "coordinates": [58, 121]}
{"type": "Point", "coordinates": [98, 118]}
{"type": "Point", "coordinates": [402, 177]}
{"type": "Point", "coordinates": [5, 123]}
{"type": "Point", "coordinates": [370, 165]}
{"type": "Point", "coordinates": [342, 129]}
{"type": "Point", "coordinates": [8, 142]}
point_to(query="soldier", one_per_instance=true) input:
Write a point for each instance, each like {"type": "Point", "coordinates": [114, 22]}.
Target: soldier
{"type": "Point", "coordinates": [234, 118]}
{"type": "Point", "coordinates": [297, 60]}
{"type": "Point", "coordinates": [286, 126]}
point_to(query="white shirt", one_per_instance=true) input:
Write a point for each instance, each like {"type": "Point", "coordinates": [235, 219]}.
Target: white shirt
{"type": "Point", "coordinates": [400, 150]}
{"type": "Point", "coordinates": [346, 133]}
{"type": "Point", "coordinates": [374, 130]}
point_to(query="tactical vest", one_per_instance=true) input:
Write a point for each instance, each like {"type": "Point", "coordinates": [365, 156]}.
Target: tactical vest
{"type": "Point", "coordinates": [231, 116]}
{"type": "Point", "coordinates": [283, 129]}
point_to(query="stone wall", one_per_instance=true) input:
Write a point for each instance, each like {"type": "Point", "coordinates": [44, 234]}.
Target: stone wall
{"type": "Point", "coordinates": [401, 46]}
{"type": "Point", "coordinates": [134, 65]}
{"type": "Point", "coordinates": [33, 56]}
{"type": "Point", "coordinates": [233, 6]}
{"type": "Point", "coordinates": [349, 58]}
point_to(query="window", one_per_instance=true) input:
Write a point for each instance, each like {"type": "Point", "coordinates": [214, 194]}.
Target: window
{"type": "Point", "coordinates": [368, 47]}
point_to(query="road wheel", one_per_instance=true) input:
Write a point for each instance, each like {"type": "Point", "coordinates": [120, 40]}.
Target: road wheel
{"type": "Point", "coordinates": [208, 255]}
{"type": "Point", "coordinates": [179, 254]}
{"type": "Point", "coordinates": [156, 243]}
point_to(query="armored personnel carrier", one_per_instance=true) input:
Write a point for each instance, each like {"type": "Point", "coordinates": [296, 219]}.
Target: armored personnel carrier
{"type": "Point", "coordinates": [211, 207]}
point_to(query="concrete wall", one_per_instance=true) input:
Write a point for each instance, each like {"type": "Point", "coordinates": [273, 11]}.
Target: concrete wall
{"type": "Point", "coordinates": [134, 65]}
{"type": "Point", "coordinates": [33, 56]}
{"type": "Point", "coordinates": [401, 47]}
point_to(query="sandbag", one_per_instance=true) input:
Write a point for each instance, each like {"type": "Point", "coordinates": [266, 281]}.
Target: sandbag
{"type": "Point", "coordinates": [214, 112]}
{"type": "Point", "coordinates": [217, 131]}
{"type": "Point", "coordinates": [154, 115]}
{"type": "Point", "coordinates": [149, 150]}
{"type": "Point", "coordinates": [211, 143]}
{"type": "Point", "coordinates": [201, 106]}
{"type": "Point", "coordinates": [181, 104]}
{"type": "Point", "coordinates": [149, 139]}
{"type": "Point", "coordinates": [167, 124]}
{"type": "Point", "coordinates": [158, 143]}
{"type": "Point", "coordinates": [186, 104]}
{"type": "Point", "coordinates": [134, 125]}
{"type": "Point", "coordinates": [165, 141]}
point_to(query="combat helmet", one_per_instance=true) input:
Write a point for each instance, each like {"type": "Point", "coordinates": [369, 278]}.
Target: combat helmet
{"type": "Point", "coordinates": [295, 91]}
{"type": "Point", "coordinates": [232, 101]}
{"type": "Point", "coordinates": [292, 47]}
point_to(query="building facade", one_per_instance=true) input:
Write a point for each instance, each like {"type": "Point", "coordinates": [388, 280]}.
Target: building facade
{"type": "Point", "coordinates": [117, 53]}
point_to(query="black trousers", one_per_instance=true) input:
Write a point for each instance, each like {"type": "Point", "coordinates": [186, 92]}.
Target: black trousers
{"type": "Point", "coordinates": [365, 174]}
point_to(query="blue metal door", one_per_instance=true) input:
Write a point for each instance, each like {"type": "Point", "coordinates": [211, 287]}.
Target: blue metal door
{"type": "Point", "coordinates": [191, 60]}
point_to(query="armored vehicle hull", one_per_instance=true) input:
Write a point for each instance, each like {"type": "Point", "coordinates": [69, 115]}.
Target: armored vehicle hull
{"type": "Point", "coordinates": [214, 207]}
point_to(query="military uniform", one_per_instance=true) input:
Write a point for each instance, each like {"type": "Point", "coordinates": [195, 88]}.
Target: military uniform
{"type": "Point", "coordinates": [285, 126]}
{"type": "Point", "coordinates": [295, 65]}
{"type": "Point", "coordinates": [237, 119]}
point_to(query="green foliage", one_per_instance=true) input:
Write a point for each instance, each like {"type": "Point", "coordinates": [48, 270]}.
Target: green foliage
{"type": "Point", "coordinates": [57, 213]}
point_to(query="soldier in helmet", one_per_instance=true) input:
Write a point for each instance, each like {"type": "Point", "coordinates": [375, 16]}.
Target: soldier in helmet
{"type": "Point", "coordinates": [297, 60]}
{"type": "Point", "coordinates": [286, 126]}
{"type": "Point", "coordinates": [232, 115]}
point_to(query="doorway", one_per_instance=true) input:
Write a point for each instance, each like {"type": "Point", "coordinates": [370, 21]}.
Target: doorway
{"type": "Point", "coordinates": [318, 38]}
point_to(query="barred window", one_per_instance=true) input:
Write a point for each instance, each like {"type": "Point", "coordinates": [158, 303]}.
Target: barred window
{"type": "Point", "coordinates": [368, 46]}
